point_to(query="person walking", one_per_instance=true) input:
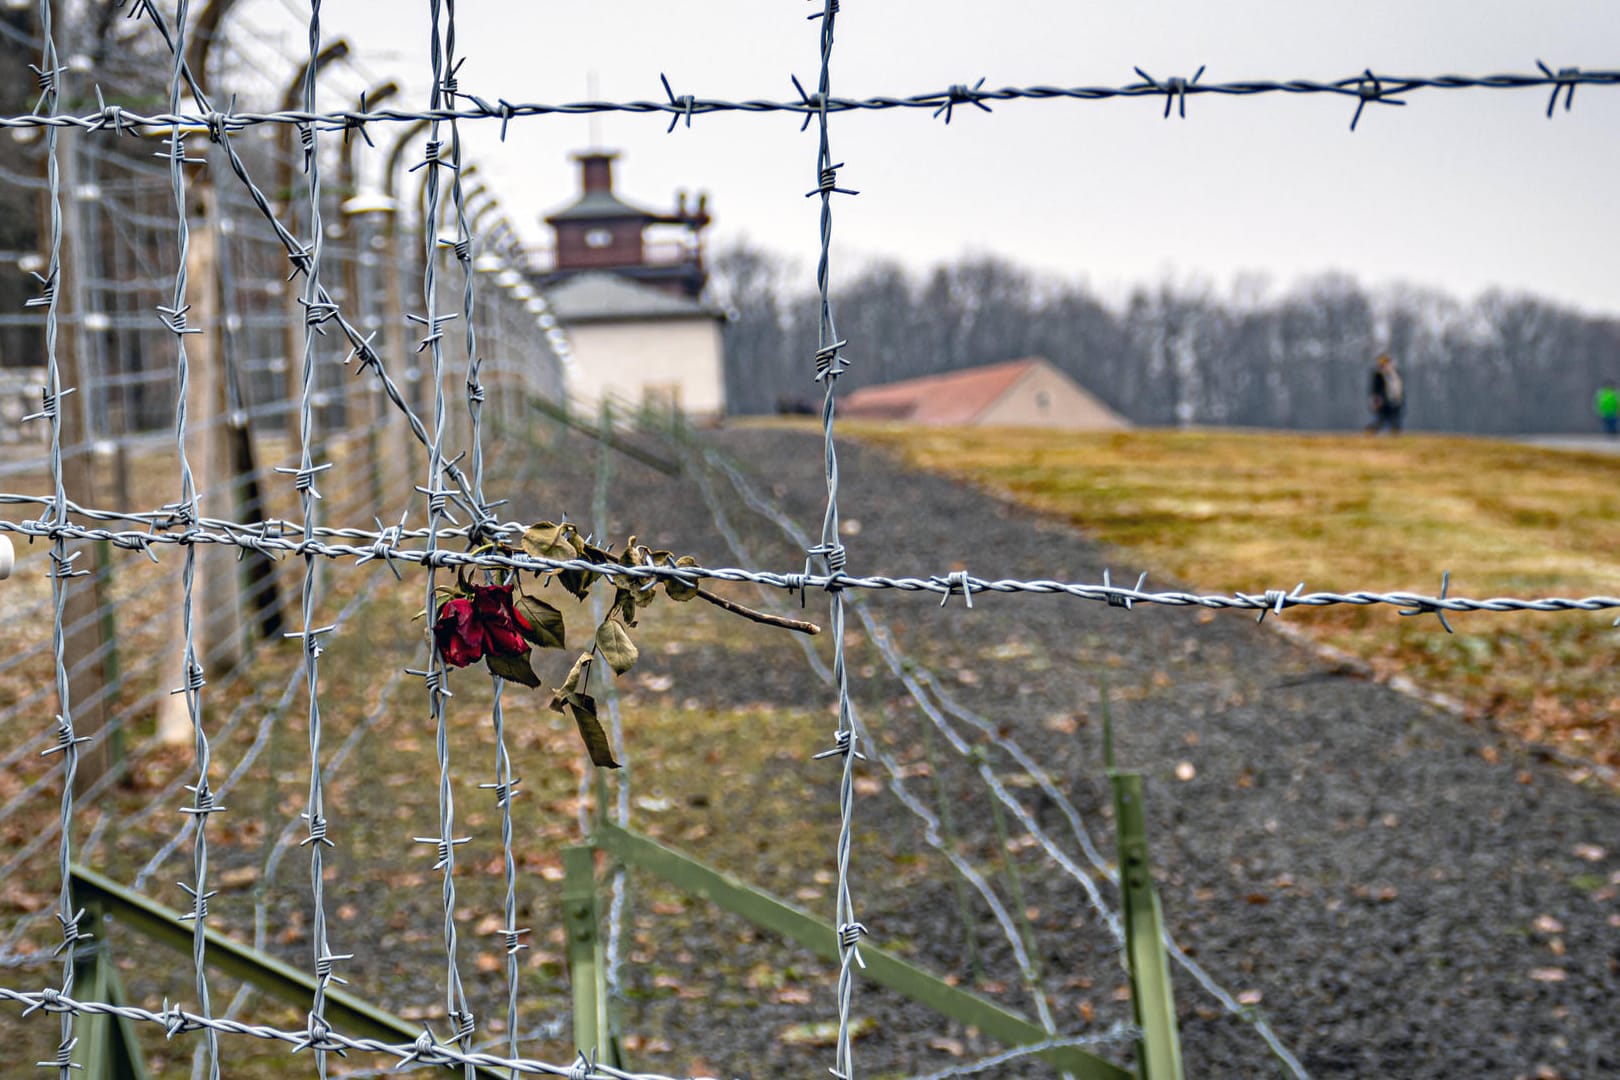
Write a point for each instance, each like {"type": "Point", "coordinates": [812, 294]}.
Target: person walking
{"type": "Point", "coordinates": [1607, 404]}
{"type": "Point", "coordinates": [1386, 396]}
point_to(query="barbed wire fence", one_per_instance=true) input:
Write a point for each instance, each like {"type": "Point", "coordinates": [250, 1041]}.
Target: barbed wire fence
{"type": "Point", "coordinates": [121, 387]}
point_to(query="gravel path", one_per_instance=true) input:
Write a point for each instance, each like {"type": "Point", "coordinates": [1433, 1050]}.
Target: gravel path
{"type": "Point", "coordinates": [1395, 892]}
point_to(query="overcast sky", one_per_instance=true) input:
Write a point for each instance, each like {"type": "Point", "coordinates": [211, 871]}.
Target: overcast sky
{"type": "Point", "coordinates": [1460, 190]}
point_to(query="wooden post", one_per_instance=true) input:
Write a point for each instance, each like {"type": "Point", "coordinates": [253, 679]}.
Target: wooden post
{"type": "Point", "coordinates": [208, 443]}
{"type": "Point", "coordinates": [81, 615]}
{"type": "Point", "coordinates": [216, 604]}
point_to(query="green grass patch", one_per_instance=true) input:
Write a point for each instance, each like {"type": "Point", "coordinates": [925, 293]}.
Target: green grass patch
{"type": "Point", "coordinates": [1246, 511]}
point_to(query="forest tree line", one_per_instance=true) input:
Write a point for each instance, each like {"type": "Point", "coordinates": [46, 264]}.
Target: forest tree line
{"type": "Point", "coordinates": [1177, 352]}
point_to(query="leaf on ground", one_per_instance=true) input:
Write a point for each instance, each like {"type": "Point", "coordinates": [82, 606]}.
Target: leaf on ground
{"type": "Point", "coordinates": [824, 1032]}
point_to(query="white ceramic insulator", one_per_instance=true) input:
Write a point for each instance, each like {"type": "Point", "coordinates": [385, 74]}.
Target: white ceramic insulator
{"type": "Point", "coordinates": [8, 557]}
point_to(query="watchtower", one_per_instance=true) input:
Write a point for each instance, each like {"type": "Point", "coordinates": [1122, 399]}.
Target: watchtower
{"type": "Point", "coordinates": [599, 231]}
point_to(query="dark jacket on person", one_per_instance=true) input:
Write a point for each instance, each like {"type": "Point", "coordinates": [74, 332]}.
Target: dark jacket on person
{"type": "Point", "coordinates": [1387, 393]}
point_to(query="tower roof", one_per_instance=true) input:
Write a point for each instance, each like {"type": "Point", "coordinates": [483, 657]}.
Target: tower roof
{"type": "Point", "coordinates": [597, 202]}
{"type": "Point", "coordinates": [600, 206]}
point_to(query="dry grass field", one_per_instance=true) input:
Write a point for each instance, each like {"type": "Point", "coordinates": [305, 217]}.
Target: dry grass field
{"type": "Point", "coordinates": [1228, 510]}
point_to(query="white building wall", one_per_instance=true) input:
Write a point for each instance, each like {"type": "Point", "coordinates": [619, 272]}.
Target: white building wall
{"type": "Point", "coordinates": [657, 359]}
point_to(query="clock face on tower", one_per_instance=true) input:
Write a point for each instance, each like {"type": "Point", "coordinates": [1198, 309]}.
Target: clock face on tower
{"type": "Point", "coordinates": [598, 238]}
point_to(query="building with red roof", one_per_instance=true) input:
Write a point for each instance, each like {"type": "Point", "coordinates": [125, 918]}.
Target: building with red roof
{"type": "Point", "coordinates": [1018, 393]}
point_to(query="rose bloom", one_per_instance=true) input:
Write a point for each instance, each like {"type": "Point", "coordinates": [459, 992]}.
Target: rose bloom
{"type": "Point", "coordinates": [492, 607]}
{"type": "Point", "coordinates": [458, 633]}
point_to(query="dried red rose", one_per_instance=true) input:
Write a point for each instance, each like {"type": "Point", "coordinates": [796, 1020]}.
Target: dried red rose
{"type": "Point", "coordinates": [502, 624]}
{"type": "Point", "coordinates": [458, 633]}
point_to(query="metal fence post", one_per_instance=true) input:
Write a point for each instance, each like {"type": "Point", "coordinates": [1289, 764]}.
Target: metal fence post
{"type": "Point", "coordinates": [586, 970]}
{"type": "Point", "coordinates": [1152, 1000]}
{"type": "Point", "coordinates": [107, 1049]}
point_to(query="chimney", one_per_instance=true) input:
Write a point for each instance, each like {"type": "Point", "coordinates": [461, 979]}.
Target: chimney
{"type": "Point", "coordinates": [596, 171]}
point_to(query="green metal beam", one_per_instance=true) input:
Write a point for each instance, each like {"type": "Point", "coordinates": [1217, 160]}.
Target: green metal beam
{"type": "Point", "coordinates": [1152, 1000]}
{"type": "Point", "coordinates": [108, 1048]}
{"type": "Point", "coordinates": [346, 1012]}
{"type": "Point", "coordinates": [587, 971]}
{"type": "Point", "coordinates": [885, 969]}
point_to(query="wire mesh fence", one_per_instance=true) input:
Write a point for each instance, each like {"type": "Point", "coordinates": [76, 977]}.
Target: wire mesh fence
{"type": "Point", "coordinates": [251, 358]}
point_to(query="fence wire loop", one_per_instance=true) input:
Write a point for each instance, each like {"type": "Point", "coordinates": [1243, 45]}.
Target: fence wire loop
{"type": "Point", "coordinates": [72, 934]}
{"type": "Point", "coordinates": [112, 116]}
{"type": "Point", "coordinates": [424, 1051]}
{"type": "Point", "coordinates": [682, 104]}
{"type": "Point", "coordinates": [49, 404]}
{"type": "Point", "coordinates": [829, 360]}
{"type": "Point", "coordinates": [317, 831]}
{"type": "Point", "coordinates": [47, 289]}
{"type": "Point", "coordinates": [1371, 89]}
{"type": "Point", "coordinates": [1564, 81]}
{"type": "Point", "coordinates": [1437, 605]}
{"type": "Point", "coordinates": [957, 581]}
{"type": "Point", "coordinates": [1118, 597]}
{"type": "Point", "coordinates": [961, 94]}
{"type": "Point", "coordinates": [811, 103]}
{"type": "Point", "coordinates": [450, 84]}
{"type": "Point", "coordinates": [50, 999]}
{"type": "Point", "coordinates": [45, 78]}
{"type": "Point", "coordinates": [318, 1037]}
{"type": "Point", "coordinates": [843, 746]}
{"type": "Point", "coordinates": [827, 183]}
{"type": "Point", "coordinates": [1174, 90]}
{"type": "Point", "coordinates": [63, 1059]}
{"type": "Point", "coordinates": [583, 1067]}
{"type": "Point", "coordinates": [1275, 600]}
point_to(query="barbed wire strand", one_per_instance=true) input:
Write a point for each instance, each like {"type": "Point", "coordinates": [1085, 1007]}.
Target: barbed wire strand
{"type": "Point", "coordinates": [436, 674]}
{"type": "Point", "coordinates": [1362, 87]}
{"type": "Point", "coordinates": [268, 537]}
{"type": "Point", "coordinates": [829, 362]}
{"type": "Point", "coordinates": [67, 742]}
{"type": "Point", "coordinates": [316, 311]}
{"type": "Point", "coordinates": [175, 317]}
{"type": "Point", "coordinates": [464, 251]}
{"type": "Point", "coordinates": [425, 1050]}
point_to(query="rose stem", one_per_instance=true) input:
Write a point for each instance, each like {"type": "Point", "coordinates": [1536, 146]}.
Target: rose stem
{"type": "Point", "coordinates": [758, 616]}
